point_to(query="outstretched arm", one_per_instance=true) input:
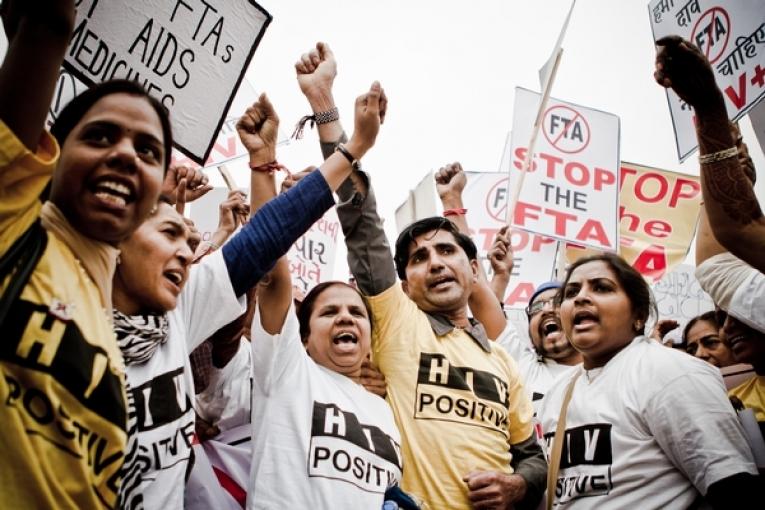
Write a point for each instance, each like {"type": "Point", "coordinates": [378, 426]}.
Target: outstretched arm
{"type": "Point", "coordinates": [278, 224]}
{"type": "Point", "coordinates": [38, 34]}
{"type": "Point", "coordinates": [450, 182]}
{"type": "Point", "coordinates": [729, 200]}
{"type": "Point", "coordinates": [369, 255]}
{"type": "Point", "coordinates": [501, 259]}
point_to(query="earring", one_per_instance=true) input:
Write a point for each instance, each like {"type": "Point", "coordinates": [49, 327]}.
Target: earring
{"type": "Point", "coordinates": [638, 325]}
{"type": "Point", "coordinates": [119, 260]}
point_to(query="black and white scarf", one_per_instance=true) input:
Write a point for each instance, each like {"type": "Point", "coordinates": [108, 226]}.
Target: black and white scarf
{"type": "Point", "coordinates": [139, 336]}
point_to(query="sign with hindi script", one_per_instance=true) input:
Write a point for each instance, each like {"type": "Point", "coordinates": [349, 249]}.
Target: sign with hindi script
{"type": "Point", "coordinates": [731, 33]}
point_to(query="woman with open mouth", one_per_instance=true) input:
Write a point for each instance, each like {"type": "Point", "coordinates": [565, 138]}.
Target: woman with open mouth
{"type": "Point", "coordinates": [165, 306]}
{"type": "Point", "coordinates": [637, 425]}
{"type": "Point", "coordinates": [100, 169]}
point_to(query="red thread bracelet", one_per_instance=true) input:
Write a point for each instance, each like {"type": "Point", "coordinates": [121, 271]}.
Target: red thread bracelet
{"type": "Point", "coordinates": [271, 167]}
{"type": "Point", "coordinates": [455, 212]}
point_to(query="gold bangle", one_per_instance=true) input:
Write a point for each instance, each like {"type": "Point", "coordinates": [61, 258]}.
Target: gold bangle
{"type": "Point", "coordinates": [731, 152]}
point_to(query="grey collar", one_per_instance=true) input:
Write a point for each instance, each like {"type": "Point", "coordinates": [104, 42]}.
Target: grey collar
{"type": "Point", "coordinates": [442, 326]}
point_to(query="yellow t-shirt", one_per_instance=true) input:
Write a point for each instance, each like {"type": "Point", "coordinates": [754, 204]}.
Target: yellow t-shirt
{"type": "Point", "coordinates": [752, 395]}
{"type": "Point", "coordinates": [62, 399]}
{"type": "Point", "coordinates": [458, 407]}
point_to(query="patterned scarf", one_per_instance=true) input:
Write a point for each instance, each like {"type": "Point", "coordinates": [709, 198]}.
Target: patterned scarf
{"type": "Point", "coordinates": [139, 336]}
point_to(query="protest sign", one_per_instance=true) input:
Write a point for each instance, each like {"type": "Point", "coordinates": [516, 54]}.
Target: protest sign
{"type": "Point", "coordinates": [679, 296]}
{"type": "Point", "coordinates": [658, 212]}
{"type": "Point", "coordinates": [570, 191]}
{"type": "Point", "coordinates": [312, 257]}
{"type": "Point", "coordinates": [485, 197]}
{"type": "Point", "coordinates": [731, 33]}
{"type": "Point", "coordinates": [190, 54]}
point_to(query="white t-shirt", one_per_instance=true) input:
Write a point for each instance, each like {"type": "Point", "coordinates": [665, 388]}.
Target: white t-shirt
{"type": "Point", "coordinates": [163, 387]}
{"type": "Point", "coordinates": [319, 439]}
{"type": "Point", "coordinates": [736, 287]}
{"type": "Point", "coordinates": [538, 376]}
{"type": "Point", "coordinates": [227, 399]}
{"type": "Point", "coordinates": [650, 429]}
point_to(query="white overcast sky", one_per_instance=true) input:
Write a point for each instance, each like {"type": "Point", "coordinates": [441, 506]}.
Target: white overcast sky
{"type": "Point", "coordinates": [449, 69]}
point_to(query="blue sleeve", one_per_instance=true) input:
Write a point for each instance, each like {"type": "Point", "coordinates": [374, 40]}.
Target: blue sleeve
{"type": "Point", "coordinates": [268, 235]}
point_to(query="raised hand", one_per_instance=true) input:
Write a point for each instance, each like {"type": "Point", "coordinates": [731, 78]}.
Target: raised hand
{"type": "Point", "coordinates": [195, 184]}
{"type": "Point", "coordinates": [501, 253]}
{"type": "Point", "coordinates": [370, 109]}
{"type": "Point", "coordinates": [233, 212]}
{"type": "Point", "coordinates": [316, 72]}
{"type": "Point", "coordinates": [258, 129]}
{"type": "Point", "coordinates": [293, 179]}
{"type": "Point", "coordinates": [683, 68]}
{"type": "Point", "coordinates": [450, 182]}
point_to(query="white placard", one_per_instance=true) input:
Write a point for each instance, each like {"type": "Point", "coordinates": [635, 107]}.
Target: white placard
{"type": "Point", "coordinates": [731, 33]}
{"type": "Point", "coordinates": [485, 197]}
{"type": "Point", "coordinates": [189, 54]}
{"type": "Point", "coordinates": [571, 191]}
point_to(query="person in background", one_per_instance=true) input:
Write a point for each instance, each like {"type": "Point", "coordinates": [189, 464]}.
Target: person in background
{"type": "Point", "coordinates": [701, 337]}
{"type": "Point", "coordinates": [640, 425]}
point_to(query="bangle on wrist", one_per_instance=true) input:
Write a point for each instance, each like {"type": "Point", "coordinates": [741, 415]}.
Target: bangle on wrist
{"type": "Point", "coordinates": [269, 168]}
{"type": "Point", "coordinates": [317, 118]}
{"type": "Point", "coordinates": [355, 163]}
{"type": "Point", "coordinates": [459, 211]}
{"type": "Point", "coordinates": [212, 245]}
{"type": "Point", "coordinates": [728, 153]}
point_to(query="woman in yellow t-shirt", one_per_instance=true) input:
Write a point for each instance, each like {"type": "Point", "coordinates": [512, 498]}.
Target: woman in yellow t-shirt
{"type": "Point", "coordinates": [61, 372]}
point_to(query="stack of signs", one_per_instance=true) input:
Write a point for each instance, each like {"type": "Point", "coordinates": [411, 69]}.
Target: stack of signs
{"type": "Point", "coordinates": [657, 219]}
{"type": "Point", "coordinates": [485, 197]}
{"type": "Point", "coordinates": [731, 33]}
{"type": "Point", "coordinates": [571, 190]}
{"type": "Point", "coordinates": [181, 52]}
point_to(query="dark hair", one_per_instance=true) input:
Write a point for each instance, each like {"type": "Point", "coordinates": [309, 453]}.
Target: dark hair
{"type": "Point", "coordinates": [76, 109]}
{"type": "Point", "coordinates": [432, 224]}
{"type": "Point", "coordinates": [631, 281]}
{"type": "Point", "coordinates": [709, 317]}
{"type": "Point", "coordinates": [306, 307]}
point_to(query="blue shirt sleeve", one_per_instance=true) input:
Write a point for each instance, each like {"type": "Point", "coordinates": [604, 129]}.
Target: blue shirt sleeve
{"type": "Point", "coordinates": [268, 235]}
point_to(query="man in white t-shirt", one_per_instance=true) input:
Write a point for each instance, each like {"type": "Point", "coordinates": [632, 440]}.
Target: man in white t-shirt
{"type": "Point", "coordinates": [550, 354]}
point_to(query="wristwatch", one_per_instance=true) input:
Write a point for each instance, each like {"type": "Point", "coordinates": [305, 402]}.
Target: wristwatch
{"type": "Point", "coordinates": [355, 163]}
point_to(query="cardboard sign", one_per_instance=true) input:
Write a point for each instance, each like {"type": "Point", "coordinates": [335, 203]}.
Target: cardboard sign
{"type": "Point", "coordinates": [570, 192]}
{"type": "Point", "coordinates": [679, 296]}
{"type": "Point", "coordinates": [189, 54]}
{"type": "Point", "coordinates": [731, 33]}
{"type": "Point", "coordinates": [312, 257]}
{"type": "Point", "coordinates": [485, 197]}
{"type": "Point", "coordinates": [658, 212]}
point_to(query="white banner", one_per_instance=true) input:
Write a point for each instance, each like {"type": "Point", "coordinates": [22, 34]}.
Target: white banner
{"type": "Point", "coordinates": [191, 55]}
{"type": "Point", "coordinates": [571, 190]}
{"type": "Point", "coordinates": [485, 197]}
{"type": "Point", "coordinates": [731, 33]}
{"type": "Point", "coordinates": [312, 257]}
{"type": "Point", "coordinates": [679, 296]}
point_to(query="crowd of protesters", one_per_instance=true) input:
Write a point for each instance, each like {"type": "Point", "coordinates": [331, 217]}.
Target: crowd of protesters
{"type": "Point", "coordinates": [128, 343]}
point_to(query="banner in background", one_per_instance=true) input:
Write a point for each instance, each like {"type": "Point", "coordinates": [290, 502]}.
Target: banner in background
{"type": "Point", "coordinates": [731, 33]}
{"type": "Point", "coordinates": [190, 55]}
{"type": "Point", "coordinates": [485, 197]}
{"type": "Point", "coordinates": [658, 213]}
{"type": "Point", "coordinates": [570, 192]}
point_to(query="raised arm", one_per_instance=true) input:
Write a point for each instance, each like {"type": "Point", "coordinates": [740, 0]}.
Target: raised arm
{"type": "Point", "coordinates": [258, 130]}
{"type": "Point", "coordinates": [450, 182]}
{"type": "Point", "coordinates": [280, 222]}
{"type": "Point", "coordinates": [38, 34]}
{"type": "Point", "coordinates": [729, 200]}
{"type": "Point", "coordinates": [369, 255]}
{"type": "Point", "coordinates": [501, 259]}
